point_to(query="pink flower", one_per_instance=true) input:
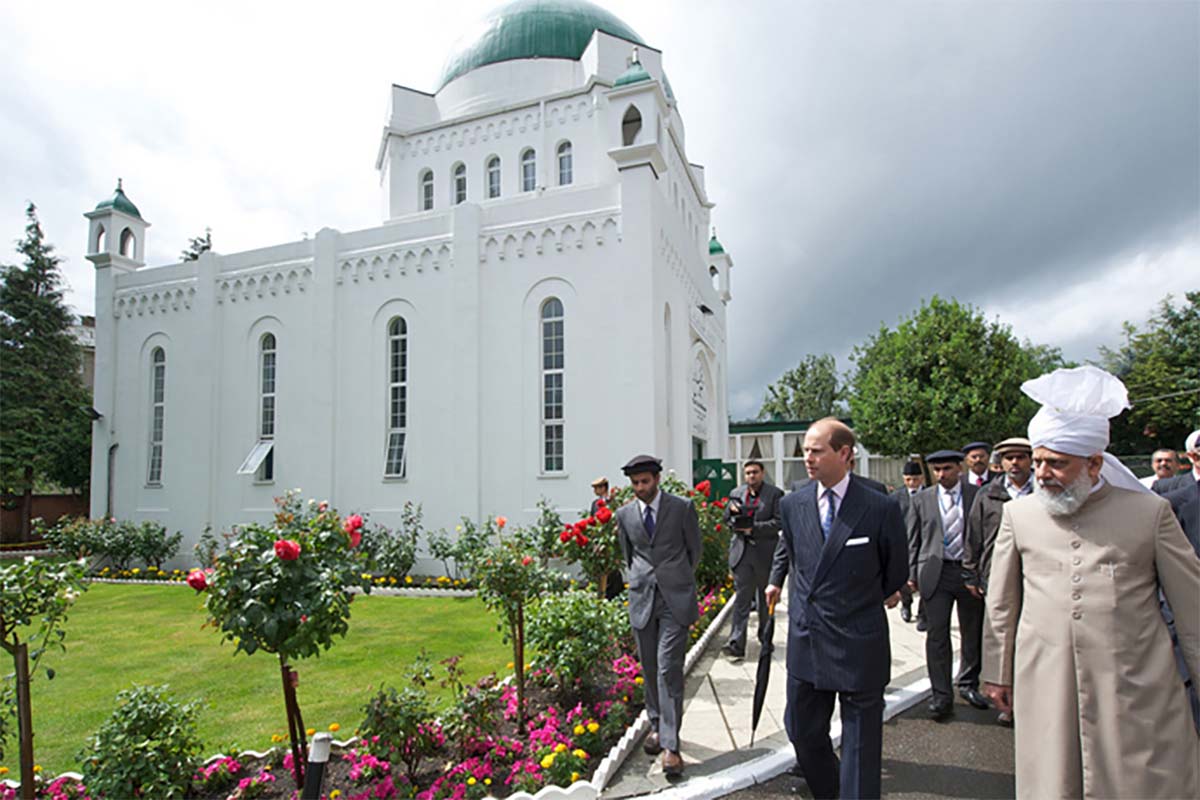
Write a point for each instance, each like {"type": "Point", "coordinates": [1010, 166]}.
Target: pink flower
{"type": "Point", "coordinates": [526, 561]}
{"type": "Point", "coordinates": [353, 523]}
{"type": "Point", "coordinates": [501, 522]}
{"type": "Point", "coordinates": [197, 581]}
{"type": "Point", "coordinates": [287, 549]}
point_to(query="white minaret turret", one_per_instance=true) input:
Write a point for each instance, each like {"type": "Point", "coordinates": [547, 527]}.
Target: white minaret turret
{"type": "Point", "coordinates": [117, 233]}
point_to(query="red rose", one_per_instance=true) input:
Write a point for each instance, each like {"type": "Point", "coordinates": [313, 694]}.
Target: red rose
{"type": "Point", "coordinates": [287, 549]}
{"type": "Point", "coordinates": [580, 526]}
{"type": "Point", "coordinates": [303, 618]}
{"type": "Point", "coordinates": [197, 581]}
{"type": "Point", "coordinates": [501, 522]}
{"type": "Point", "coordinates": [353, 523]}
{"type": "Point", "coordinates": [601, 502]}
{"type": "Point", "coordinates": [603, 515]}
{"type": "Point", "coordinates": [583, 540]}
{"type": "Point", "coordinates": [718, 526]}
{"type": "Point", "coordinates": [355, 538]}
{"type": "Point", "coordinates": [526, 561]}
{"type": "Point", "coordinates": [704, 487]}
{"type": "Point", "coordinates": [565, 536]}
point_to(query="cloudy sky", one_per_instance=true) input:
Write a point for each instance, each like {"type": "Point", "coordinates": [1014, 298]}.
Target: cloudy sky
{"type": "Point", "coordinates": [1039, 160]}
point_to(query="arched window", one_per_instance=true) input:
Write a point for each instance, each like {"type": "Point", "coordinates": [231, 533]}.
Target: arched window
{"type": "Point", "coordinates": [493, 177]}
{"type": "Point", "coordinates": [128, 244]}
{"type": "Point", "coordinates": [158, 396]}
{"type": "Point", "coordinates": [566, 170]}
{"type": "Point", "coordinates": [101, 243]}
{"type": "Point", "coordinates": [266, 417]}
{"type": "Point", "coordinates": [426, 190]}
{"type": "Point", "coordinates": [631, 123]}
{"type": "Point", "coordinates": [460, 184]}
{"type": "Point", "coordinates": [551, 330]}
{"type": "Point", "coordinates": [396, 462]}
{"type": "Point", "coordinates": [715, 277]}
{"type": "Point", "coordinates": [528, 171]}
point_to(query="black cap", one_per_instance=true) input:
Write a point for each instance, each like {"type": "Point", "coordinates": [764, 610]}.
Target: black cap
{"type": "Point", "coordinates": [976, 446]}
{"type": "Point", "coordinates": [942, 456]}
{"type": "Point", "coordinates": [912, 468]}
{"type": "Point", "coordinates": [642, 463]}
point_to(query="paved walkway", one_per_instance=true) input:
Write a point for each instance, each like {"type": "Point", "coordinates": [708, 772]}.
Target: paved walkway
{"type": "Point", "coordinates": [716, 748]}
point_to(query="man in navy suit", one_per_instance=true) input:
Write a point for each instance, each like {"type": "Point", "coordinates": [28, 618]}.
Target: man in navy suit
{"type": "Point", "coordinates": [845, 548]}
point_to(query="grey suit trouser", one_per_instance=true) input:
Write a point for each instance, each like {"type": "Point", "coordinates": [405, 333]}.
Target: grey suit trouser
{"type": "Point", "coordinates": [750, 578]}
{"type": "Point", "coordinates": [662, 645]}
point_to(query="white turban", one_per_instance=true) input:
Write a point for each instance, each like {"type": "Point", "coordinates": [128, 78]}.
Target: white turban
{"type": "Point", "coordinates": [1076, 406]}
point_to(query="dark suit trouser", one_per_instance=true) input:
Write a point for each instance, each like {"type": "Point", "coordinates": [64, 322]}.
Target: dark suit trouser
{"type": "Point", "coordinates": [750, 578]}
{"type": "Point", "coordinates": [807, 719]}
{"type": "Point", "coordinates": [662, 645]}
{"type": "Point", "coordinates": [939, 654]}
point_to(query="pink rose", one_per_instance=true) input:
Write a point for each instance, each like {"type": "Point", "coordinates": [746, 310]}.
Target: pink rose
{"type": "Point", "coordinates": [353, 523]}
{"type": "Point", "coordinates": [287, 549]}
{"type": "Point", "coordinates": [526, 561]}
{"type": "Point", "coordinates": [501, 522]}
{"type": "Point", "coordinates": [197, 581]}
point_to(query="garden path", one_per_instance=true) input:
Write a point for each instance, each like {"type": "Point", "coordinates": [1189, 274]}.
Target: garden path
{"type": "Point", "coordinates": [715, 737]}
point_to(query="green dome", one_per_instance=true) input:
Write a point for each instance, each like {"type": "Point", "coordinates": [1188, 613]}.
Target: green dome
{"type": "Point", "coordinates": [120, 203]}
{"type": "Point", "coordinates": [635, 74]}
{"type": "Point", "coordinates": [533, 29]}
{"type": "Point", "coordinates": [714, 247]}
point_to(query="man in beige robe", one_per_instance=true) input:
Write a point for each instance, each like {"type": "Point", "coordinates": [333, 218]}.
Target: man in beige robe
{"type": "Point", "coordinates": [1077, 644]}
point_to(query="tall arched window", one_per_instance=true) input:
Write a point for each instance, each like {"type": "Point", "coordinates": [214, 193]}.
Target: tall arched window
{"type": "Point", "coordinates": [631, 123]}
{"type": "Point", "coordinates": [128, 244]}
{"type": "Point", "coordinates": [158, 396]}
{"type": "Point", "coordinates": [566, 167]}
{"type": "Point", "coordinates": [493, 177]}
{"type": "Point", "coordinates": [528, 171]}
{"type": "Point", "coordinates": [426, 189]}
{"type": "Point", "coordinates": [460, 184]}
{"type": "Point", "coordinates": [396, 462]}
{"type": "Point", "coordinates": [551, 329]}
{"type": "Point", "coordinates": [266, 417]}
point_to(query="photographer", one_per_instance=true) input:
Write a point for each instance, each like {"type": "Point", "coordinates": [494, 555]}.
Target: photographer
{"type": "Point", "coordinates": [753, 515]}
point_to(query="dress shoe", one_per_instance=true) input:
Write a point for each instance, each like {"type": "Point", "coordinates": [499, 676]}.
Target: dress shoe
{"type": "Point", "coordinates": [651, 745]}
{"type": "Point", "coordinates": [922, 624]}
{"type": "Point", "coordinates": [972, 696]}
{"type": "Point", "coordinates": [906, 613]}
{"type": "Point", "coordinates": [795, 771]}
{"type": "Point", "coordinates": [940, 710]}
{"type": "Point", "coordinates": [736, 653]}
{"type": "Point", "coordinates": [1004, 718]}
{"type": "Point", "coordinates": [672, 764]}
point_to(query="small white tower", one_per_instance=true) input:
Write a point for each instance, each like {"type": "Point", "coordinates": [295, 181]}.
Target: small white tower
{"type": "Point", "coordinates": [117, 233]}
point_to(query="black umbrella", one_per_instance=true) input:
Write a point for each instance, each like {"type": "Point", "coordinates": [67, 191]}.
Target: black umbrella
{"type": "Point", "coordinates": [767, 637]}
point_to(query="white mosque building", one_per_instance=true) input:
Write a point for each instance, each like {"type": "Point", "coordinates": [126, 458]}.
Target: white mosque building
{"type": "Point", "coordinates": [541, 302]}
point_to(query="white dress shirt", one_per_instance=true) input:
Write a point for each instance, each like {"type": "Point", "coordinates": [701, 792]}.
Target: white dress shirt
{"type": "Point", "coordinates": [839, 491]}
{"type": "Point", "coordinates": [653, 504]}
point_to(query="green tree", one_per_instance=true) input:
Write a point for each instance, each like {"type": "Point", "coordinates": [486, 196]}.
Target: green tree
{"type": "Point", "coordinates": [1160, 365]}
{"type": "Point", "coordinates": [943, 376]}
{"type": "Point", "coordinates": [45, 421]}
{"type": "Point", "coordinates": [810, 390]}
{"type": "Point", "coordinates": [197, 245]}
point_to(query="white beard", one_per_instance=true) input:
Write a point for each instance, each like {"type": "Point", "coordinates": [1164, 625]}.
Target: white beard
{"type": "Point", "coordinates": [1068, 500]}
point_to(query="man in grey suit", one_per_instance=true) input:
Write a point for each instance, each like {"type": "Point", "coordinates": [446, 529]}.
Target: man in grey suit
{"type": "Point", "coordinates": [914, 481]}
{"type": "Point", "coordinates": [1188, 476]}
{"type": "Point", "coordinates": [660, 545]}
{"type": "Point", "coordinates": [936, 530]}
{"type": "Point", "coordinates": [753, 515]}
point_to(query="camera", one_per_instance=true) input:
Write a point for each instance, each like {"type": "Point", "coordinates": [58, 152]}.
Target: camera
{"type": "Point", "coordinates": [741, 517]}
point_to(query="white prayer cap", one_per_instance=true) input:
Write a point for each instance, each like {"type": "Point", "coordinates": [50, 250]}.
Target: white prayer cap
{"type": "Point", "coordinates": [1076, 406]}
{"type": "Point", "coordinates": [1192, 442]}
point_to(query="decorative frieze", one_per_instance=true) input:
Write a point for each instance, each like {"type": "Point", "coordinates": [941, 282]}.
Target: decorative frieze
{"type": "Point", "coordinates": [523, 241]}
{"type": "Point", "coordinates": [160, 298]}
{"type": "Point", "coordinates": [272, 280]}
{"type": "Point", "coordinates": [396, 260]}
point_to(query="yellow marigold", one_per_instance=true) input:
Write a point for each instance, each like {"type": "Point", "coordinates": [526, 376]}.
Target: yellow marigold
{"type": "Point", "coordinates": [471, 781]}
{"type": "Point", "coordinates": [580, 753]}
{"type": "Point", "coordinates": [574, 777]}
{"type": "Point", "coordinates": [135, 571]}
{"type": "Point", "coordinates": [548, 761]}
{"type": "Point", "coordinates": [579, 730]}
{"type": "Point", "coordinates": [560, 748]}
{"type": "Point", "coordinates": [392, 579]}
{"type": "Point", "coordinates": [509, 665]}
{"type": "Point", "coordinates": [37, 768]}
{"type": "Point", "coordinates": [276, 738]}
{"type": "Point", "coordinates": [487, 781]}
{"type": "Point", "coordinates": [593, 727]}
{"type": "Point", "coordinates": [408, 578]}
{"type": "Point", "coordinates": [639, 680]}
{"type": "Point", "coordinates": [335, 794]}
{"type": "Point", "coordinates": [310, 731]}
{"type": "Point", "coordinates": [3, 770]}
{"type": "Point", "coordinates": [334, 727]}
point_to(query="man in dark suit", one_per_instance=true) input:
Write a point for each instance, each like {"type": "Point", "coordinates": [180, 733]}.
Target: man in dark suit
{"type": "Point", "coordinates": [936, 532]}
{"type": "Point", "coordinates": [1181, 481]}
{"type": "Point", "coordinates": [753, 515]}
{"type": "Point", "coordinates": [844, 547]}
{"type": "Point", "coordinates": [914, 480]}
{"type": "Point", "coordinates": [601, 495]}
{"type": "Point", "coordinates": [870, 483]}
{"type": "Point", "coordinates": [659, 535]}
{"type": "Point", "coordinates": [977, 455]}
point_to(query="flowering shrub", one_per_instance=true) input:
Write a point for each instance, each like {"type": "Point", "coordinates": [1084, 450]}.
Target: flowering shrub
{"type": "Point", "coordinates": [120, 542]}
{"type": "Point", "coordinates": [283, 589]}
{"type": "Point", "coordinates": [592, 542]}
{"type": "Point", "coordinates": [464, 548]}
{"type": "Point", "coordinates": [392, 553]}
{"type": "Point", "coordinates": [402, 724]}
{"type": "Point", "coordinates": [713, 568]}
{"type": "Point", "coordinates": [218, 775]}
{"type": "Point", "coordinates": [253, 786]}
{"type": "Point", "coordinates": [58, 789]}
{"type": "Point", "coordinates": [147, 748]}
{"type": "Point", "coordinates": [555, 623]}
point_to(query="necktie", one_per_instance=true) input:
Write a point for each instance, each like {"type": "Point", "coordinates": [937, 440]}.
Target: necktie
{"type": "Point", "coordinates": [952, 525]}
{"type": "Point", "coordinates": [827, 522]}
{"type": "Point", "coordinates": [648, 521]}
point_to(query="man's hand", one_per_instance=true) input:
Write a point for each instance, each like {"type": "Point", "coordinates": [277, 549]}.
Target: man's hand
{"type": "Point", "coordinates": [773, 593]}
{"type": "Point", "coordinates": [912, 586]}
{"type": "Point", "coordinates": [975, 591]}
{"type": "Point", "coordinates": [892, 601]}
{"type": "Point", "coordinates": [1001, 696]}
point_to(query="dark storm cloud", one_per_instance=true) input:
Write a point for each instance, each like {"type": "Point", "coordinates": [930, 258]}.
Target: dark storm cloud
{"type": "Point", "coordinates": [989, 152]}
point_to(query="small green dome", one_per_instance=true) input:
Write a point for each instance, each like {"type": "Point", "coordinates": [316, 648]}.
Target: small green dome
{"type": "Point", "coordinates": [532, 29]}
{"type": "Point", "coordinates": [120, 203]}
{"type": "Point", "coordinates": [714, 247]}
{"type": "Point", "coordinates": [635, 74]}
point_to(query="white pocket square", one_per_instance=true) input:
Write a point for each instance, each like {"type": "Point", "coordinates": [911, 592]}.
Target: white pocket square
{"type": "Point", "coordinates": [858, 541]}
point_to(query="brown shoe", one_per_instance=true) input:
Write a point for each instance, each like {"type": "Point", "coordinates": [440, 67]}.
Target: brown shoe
{"type": "Point", "coordinates": [672, 764]}
{"type": "Point", "coordinates": [651, 745]}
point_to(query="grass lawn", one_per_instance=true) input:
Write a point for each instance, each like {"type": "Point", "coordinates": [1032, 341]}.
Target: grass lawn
{"type": "Point", "coordinates": [120, 635]}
